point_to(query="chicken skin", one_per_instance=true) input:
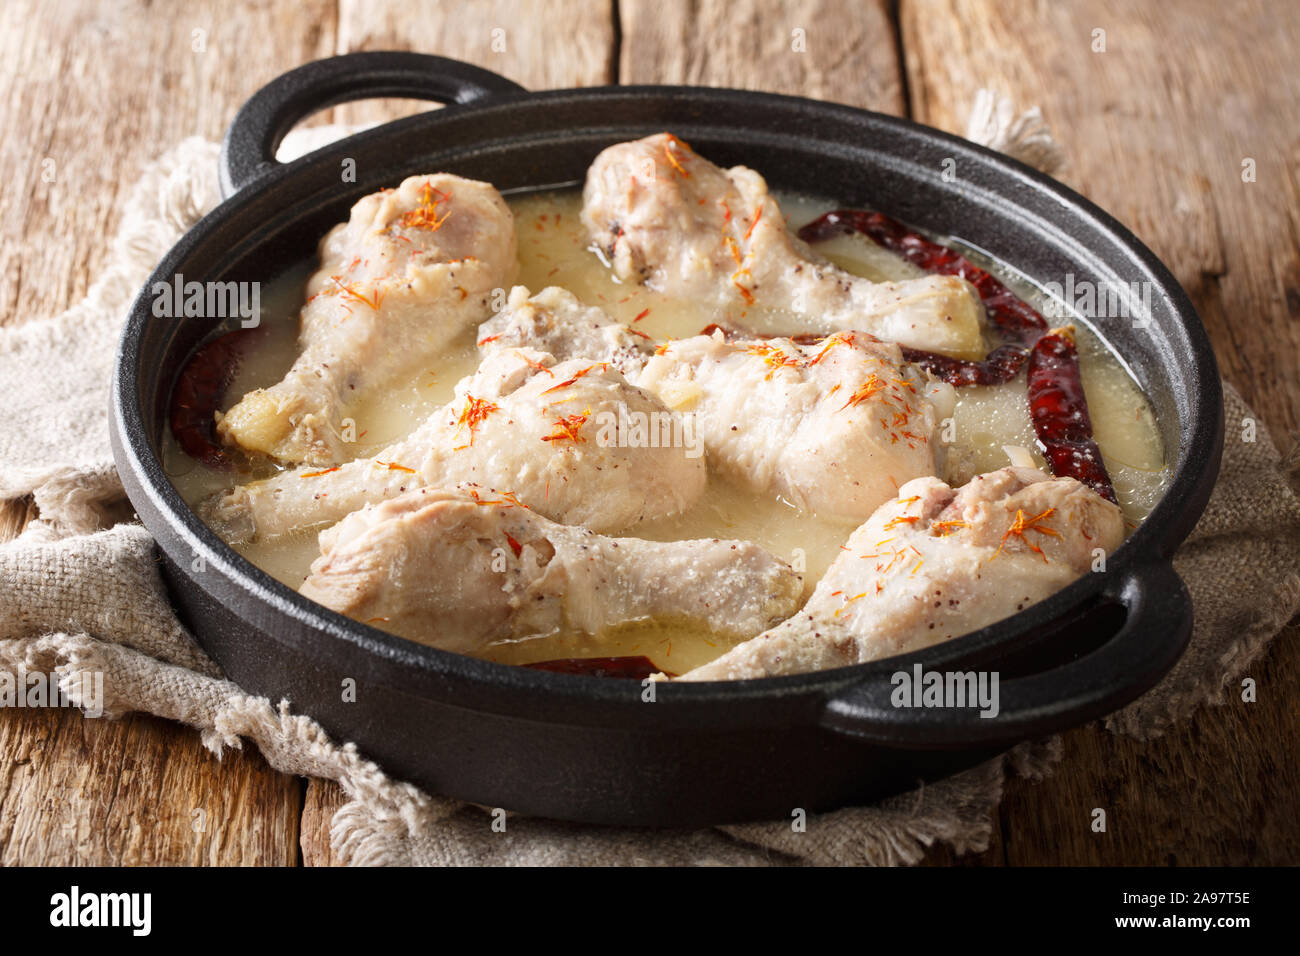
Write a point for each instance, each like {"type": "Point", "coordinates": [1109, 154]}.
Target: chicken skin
{"type": "Point", "coordinates": [557, 321]}
{"type": "Point", "coordinates": [550, 433]}
{"type": "Point", "coordinates": [410, 270]}
{"type": "Point", "coordinates": [665, 216]}
{"type": "Point", "coordinates": [933, 564]}
{"type": "Point", "coordinates": [833, 426]}
{"type": "Point", "coordinates": [458, 570]}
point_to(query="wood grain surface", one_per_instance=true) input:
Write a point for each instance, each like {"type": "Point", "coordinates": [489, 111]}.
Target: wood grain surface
{"type": "Point", "coordinates": [842, 52]}
{"type": "Point", "coordinates": [1157, 126]}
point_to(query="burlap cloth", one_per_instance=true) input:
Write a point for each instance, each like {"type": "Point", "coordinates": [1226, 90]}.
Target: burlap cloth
{"type": "Point", "coordinates": [80, 593]}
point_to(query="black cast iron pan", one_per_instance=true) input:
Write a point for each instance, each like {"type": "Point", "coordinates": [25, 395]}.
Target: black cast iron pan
{"type": "Point", "coordinates": [591, 749]}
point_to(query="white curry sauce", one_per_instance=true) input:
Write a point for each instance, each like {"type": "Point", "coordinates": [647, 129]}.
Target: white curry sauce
{"type": "Point", "coordinates": [554, 250]}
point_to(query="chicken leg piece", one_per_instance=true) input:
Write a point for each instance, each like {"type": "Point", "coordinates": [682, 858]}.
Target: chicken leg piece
{"type": "Point", "coordinates": [410, 269]}
{"type": "Point", "coordinates": [551, 434]}
{"type": "Point", "coordinates": [457, 571]}
{"type": "Point", "coordinates": [665, 216]}
{"type": "Point", "coordinates": [557, 321]}
{"type": "Point", "coordinates": [934, 564]}
{"type": "Point", "coordinates": [833, 426]}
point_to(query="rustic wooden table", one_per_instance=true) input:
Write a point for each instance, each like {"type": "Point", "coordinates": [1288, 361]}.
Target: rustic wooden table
{"type": "Point", "coordinates": [1157, 125]}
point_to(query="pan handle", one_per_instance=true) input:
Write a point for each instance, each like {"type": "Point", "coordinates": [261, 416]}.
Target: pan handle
{"type": "Point", "coordinates": [1155, 631]}
{"type": "Point", "coordinates": [262, 122]}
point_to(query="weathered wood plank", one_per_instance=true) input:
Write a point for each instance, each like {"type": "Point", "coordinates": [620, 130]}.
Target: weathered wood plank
{"type": "Point", "coordinates": [1219, 790]}
{"type": "Point", "coordinates": [540, 44]}
{"type": "Point", "coordinates": [92, 91]}
{"type": "Point", "coordinates": [1156, 126]}
{"type": "Point", "coordinates": [139, 791]}
{"type": "Point", "coordinates": [322, 801]}
{"type": "Point", "coordinates": [99, 89]}
{"type": "Point", "coordinates": [834, 51]}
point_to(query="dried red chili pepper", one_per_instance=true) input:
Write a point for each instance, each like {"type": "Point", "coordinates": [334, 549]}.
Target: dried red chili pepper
{"type": "Point", "coordinates": [628, 668]}
{"type": "Point", "coordinates": [198, 393]}
{"type": "Point", "coordinates": [1059, 411]}
{"type": "Point", "coordinates": [1001, 365]}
